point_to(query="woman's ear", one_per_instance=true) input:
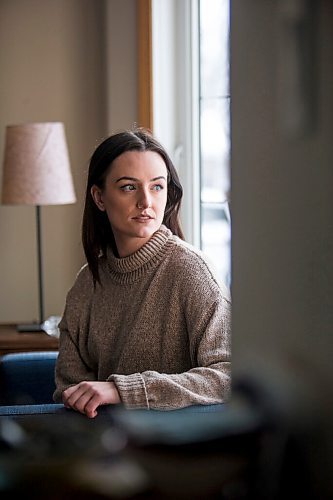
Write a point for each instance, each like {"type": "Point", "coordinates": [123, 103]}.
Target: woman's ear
{"type": "Point", "coordinates": [96, 194]}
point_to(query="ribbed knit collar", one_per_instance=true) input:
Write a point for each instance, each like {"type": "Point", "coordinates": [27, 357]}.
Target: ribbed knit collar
{"type": "Point", "coordinates": [130, 269]}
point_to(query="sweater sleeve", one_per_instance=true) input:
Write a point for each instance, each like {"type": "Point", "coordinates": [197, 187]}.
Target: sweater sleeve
{"type": "Point", "coordinates": [207, 383]}
{"type": "Point", "coordinates": [70, 367]}
{"type": "Point", "coordinates": [73, 364]}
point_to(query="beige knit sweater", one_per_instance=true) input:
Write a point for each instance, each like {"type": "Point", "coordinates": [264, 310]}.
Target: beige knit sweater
{"type": "Point", "coordinates": [158, 326]}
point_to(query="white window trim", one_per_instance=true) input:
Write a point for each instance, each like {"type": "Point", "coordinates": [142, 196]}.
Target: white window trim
{"type": "Point", "coordinates": [175, 56]}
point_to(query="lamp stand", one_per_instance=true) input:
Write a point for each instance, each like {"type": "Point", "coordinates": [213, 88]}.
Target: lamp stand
{"type": "Point", "coordinates": [37, 327]}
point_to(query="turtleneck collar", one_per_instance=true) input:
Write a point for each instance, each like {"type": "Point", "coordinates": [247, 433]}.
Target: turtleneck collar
{"type": "Point", "coordinates": [129, 269]}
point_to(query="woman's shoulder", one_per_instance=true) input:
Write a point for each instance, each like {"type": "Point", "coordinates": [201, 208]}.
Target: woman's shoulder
{"type": "Point", "coordinates": [83, 274]}
{"type": "Point", "coordinates": [191, 262]}
{"type": "Point", "coordinates": [185, 254]}
{"type": "Point", "coordinates": [83, 284]}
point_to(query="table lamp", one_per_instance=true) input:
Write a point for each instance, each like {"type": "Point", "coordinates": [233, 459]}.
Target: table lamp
{"type": "Point", "coordinates": [36, 171]}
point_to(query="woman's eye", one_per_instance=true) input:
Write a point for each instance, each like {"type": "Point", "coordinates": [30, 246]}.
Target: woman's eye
{"type": "Point", "coordinates": [157, 187]}
{"type": "Point", "coordinates": [127, 187]}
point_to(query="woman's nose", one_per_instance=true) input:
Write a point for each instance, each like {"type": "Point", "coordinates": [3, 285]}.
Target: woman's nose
{"type": "Point", "coordinates": [144, 200]}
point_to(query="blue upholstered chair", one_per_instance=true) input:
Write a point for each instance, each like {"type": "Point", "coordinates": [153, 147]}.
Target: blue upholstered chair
{"type": "Point", "coordinates": [27, 378]}
{"type": "Point", "coordinates": [27, 383]}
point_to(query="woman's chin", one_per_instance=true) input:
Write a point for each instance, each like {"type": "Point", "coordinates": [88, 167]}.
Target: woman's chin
{"type": "Point", "coordinates": [146, 232]}
{"type": "Point", "coordinates": [145, 224]}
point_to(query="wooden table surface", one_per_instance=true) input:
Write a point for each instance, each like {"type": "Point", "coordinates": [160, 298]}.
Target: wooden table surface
{"type": "Point", "coordinates": [13, 341]}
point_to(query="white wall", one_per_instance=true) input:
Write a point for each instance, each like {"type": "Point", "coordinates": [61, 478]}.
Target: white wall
{"type": "Point", "coordinates": [55, 65]}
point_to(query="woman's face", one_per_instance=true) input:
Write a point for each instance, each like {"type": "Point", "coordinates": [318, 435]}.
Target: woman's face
{"type": "Point", "coordinates": [134, 198]}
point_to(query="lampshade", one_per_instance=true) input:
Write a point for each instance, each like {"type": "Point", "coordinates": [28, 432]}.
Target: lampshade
{"type": "Point", "coordinates": [36, 169]}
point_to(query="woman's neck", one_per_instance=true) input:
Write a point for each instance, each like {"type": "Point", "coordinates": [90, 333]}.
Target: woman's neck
{"type": "Point", "coordinates": [128, 246]}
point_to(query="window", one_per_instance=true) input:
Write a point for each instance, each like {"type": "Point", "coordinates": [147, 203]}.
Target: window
{"type": "Point", "coordinates": [191, 102]}
{"type": "Point", "coordinates": [215, 132]}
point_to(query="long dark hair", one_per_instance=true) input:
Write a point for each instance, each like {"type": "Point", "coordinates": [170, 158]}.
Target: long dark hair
{"type": "Point", "coordinates": [97, 233]}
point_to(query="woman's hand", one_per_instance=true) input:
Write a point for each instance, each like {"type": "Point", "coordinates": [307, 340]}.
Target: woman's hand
{"type": "Point", "coordinates": [86, 397]}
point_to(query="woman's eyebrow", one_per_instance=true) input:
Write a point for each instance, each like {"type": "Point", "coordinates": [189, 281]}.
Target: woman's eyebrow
{"type": "Point", "coordinates": [158, 178]}
{"type": "Point", "coordinates": [125, 178]}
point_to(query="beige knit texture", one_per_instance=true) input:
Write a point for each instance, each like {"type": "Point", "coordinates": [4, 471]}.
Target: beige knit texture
{"type": "Point", "coordinates": [159, 326]}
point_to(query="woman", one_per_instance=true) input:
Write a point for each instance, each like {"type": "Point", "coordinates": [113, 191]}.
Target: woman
{"type": "Point", "coordinates": [146, 324]}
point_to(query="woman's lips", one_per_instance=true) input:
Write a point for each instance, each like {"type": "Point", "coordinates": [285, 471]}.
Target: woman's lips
{"type": "Point", "coordinates": [143, 218]}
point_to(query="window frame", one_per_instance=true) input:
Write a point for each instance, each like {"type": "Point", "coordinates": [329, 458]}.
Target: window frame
{"type": "Point", "coordinates": [145, 65]}
{"type": "Point", "coordinates": [175, 58]}
{"type": "Point", "coordinates": [176, 99]}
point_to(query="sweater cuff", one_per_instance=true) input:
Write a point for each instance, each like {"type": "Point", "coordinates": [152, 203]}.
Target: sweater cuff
{"type": "Point", "coordinates": [132, 390]}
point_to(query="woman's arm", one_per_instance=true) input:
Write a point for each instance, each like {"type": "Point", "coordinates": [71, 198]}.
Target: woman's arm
{"type": "Point", "coordinates": [207, 383]}
{"type": "Point", "coordinates": [71, 368]}
{"type": "Point", "coordinates": [76, 384]}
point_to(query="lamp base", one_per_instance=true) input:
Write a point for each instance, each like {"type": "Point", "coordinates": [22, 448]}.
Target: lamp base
{"type": "Point", "coordinates": [30, 327]}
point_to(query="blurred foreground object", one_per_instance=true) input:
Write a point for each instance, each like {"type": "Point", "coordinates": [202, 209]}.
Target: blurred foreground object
{"type": "Point", "coordinates": [250, 448]}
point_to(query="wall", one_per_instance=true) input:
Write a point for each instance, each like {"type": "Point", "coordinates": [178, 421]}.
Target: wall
{"type": "Point", "coordinates": [57, 66]}
{"type": "Point", "coordinates": [121, 71]}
